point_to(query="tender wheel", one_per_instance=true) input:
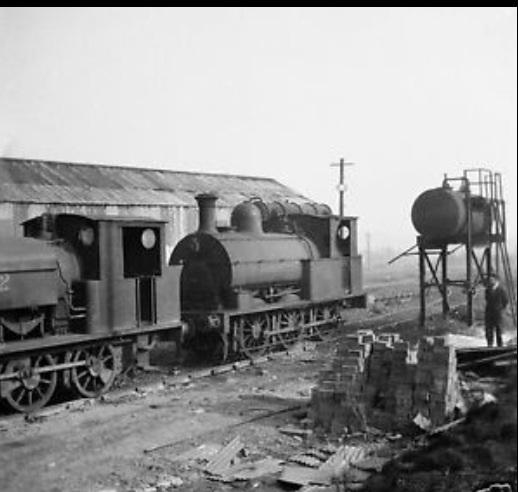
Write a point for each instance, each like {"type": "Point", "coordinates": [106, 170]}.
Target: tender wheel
{"type": "Point", "coordinates": [98, 372]}
{"type": "Point", "coordinates": [32, 385]}
{"type": "Point", "coordinates": [253, 340]}
{"type": "Point", "coordinates": [290, 321]}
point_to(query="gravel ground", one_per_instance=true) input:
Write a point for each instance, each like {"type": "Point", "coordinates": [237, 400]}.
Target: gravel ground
{"type": "Point", "coordinates": [101, 445]}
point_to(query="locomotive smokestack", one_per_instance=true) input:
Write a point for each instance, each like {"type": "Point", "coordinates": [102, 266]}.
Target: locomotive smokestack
{"type": "Point", "coordinates": [207, 212]}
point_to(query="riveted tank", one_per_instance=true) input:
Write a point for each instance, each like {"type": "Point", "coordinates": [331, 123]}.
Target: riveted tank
{"type": "Point", "coordinates": [218, 263]}
{"type": "Point", "coordinates": [28, 274]}
{"type": "Point", "coordinates": [34, 275]}
{"type": "Point", "coordinates": [440, 215]}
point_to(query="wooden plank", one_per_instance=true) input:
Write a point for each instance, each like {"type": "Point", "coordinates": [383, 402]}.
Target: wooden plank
{"type": "Point", "coordinates": [224, 458]}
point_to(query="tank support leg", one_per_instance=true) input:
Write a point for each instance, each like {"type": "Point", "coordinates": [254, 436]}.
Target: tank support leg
{"type": "Point", "coordinates": [422, 287]}
{"type": "Point", "coordinates": [444, 290]}
{"type": "Point", "coordinates": [469, 286]}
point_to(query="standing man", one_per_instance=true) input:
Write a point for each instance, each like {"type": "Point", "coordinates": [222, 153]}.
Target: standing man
{"type": "Point", "coordinates": [496, 302]}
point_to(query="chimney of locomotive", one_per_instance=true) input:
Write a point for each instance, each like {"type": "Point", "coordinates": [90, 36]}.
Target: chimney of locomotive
{"type": "Point", "coordinates": [207, 212]}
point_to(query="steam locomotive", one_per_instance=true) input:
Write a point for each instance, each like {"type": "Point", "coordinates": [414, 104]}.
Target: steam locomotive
{"type": "Point", "coordinates": [80, 295]}
{"type": "Point", "coordinates": [282, 272]}
{"type": "Point", "coordinates": [75, 293]}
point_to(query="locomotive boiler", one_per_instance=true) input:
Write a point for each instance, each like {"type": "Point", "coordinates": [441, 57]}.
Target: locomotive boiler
{"type": "Point", "coordinates": [73, 293]}
{"type": "Point", "coordinates": [281, 272]}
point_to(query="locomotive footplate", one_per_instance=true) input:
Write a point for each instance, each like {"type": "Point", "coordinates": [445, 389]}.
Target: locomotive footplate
{"type": "Point", "coordinates": [51, 342]}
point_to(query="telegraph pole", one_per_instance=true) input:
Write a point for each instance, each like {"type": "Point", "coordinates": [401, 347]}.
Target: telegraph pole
{"type": "Point", "coordinates": [368, 241]}
{"type": "Point", "coordinates": [341, 186]}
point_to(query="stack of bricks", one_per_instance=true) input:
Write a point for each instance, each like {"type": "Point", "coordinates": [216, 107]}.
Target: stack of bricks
{"type": "Point", "coordinates": [378, 373]}
{"type": "Point", "coordinates": [337, 401]}
{"type": "Point", "coordinates": [383, 380]}
{"type": "Point", "coordinates": [387, 370]}
{"type": "Point", "coordinates": [436, 383]}
{"type": "Point", "coordinates": [401, 383]}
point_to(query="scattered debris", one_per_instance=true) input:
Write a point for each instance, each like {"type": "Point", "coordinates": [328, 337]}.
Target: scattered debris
{"type": "Point", "coordinates": [343, 458]}
{"type": "Point", "coordinates": [318, 488]}
{"type": "Point", "coordinates": [506, 356]}
{"type": "Point", "coordinates": [295, 431]}
{"type": "Point", "coordinates": [393, 437]}
{"type": "Point", "coordinates": [447, 426]}
{"type": "Point", "coordinates": [197, 411]}
{"type": "Point", "coordinates": [422, 422]}
{"type": "Point", "coordinates": [306, 460]}
{"type": "Point", "coordinates": [328, 472]}
{"type": "Point", "coordinates": [225, 457]}
{"type": "Point", "coordinates": [164, 483]}
{"type": "Point", "coordinates": [168, 481]}
{"type": "Point", "coordinates": [200, 453]}
{"type": "Point", "coordinates": [466, 454]}
{"type": "Point", "coordinates": [302, 475]}
{"type": "Point", "coordinates": [249, 471]}
{"type": "Point", "coordinates": [373, 463]}
{"type": "Point", "coordinates": [354, 477]}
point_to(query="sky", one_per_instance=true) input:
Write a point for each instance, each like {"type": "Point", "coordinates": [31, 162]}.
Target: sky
{"type": "Point", "coordinates": [407, 94]}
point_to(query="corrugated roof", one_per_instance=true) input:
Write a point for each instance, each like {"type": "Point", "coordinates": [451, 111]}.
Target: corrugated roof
{"type": "Point", "coordinates": [37, 181]}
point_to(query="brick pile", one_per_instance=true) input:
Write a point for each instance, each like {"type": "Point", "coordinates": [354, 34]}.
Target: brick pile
{"type": "Point", "coordinates": [337, 400]}
{"type": "Point", "coordinates": [384, 382]}
{"type": "Point", "coordinates": [389, 382]}
{"type": "Point", "coordinates": [436, 382]}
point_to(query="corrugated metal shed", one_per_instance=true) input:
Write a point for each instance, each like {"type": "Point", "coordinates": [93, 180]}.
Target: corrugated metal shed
{"type": "Point", "coordinates": [35, 181]}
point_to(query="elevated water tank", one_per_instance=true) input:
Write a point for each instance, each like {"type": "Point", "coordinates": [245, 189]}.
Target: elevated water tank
{"type": "Point", "coordinates": [441, 215]}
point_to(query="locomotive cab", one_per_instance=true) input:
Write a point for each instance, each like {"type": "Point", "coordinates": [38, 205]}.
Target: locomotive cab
{"type": "Point", "coordinates": [112, 271]}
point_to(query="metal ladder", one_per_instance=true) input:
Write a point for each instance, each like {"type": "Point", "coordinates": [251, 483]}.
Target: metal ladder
{"type": "Point", "coordinates": [502, 252]}
{"type": "Point", "coordinates": [489, 185]}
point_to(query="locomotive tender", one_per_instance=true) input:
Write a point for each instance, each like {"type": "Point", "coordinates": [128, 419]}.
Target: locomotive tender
{"type": "Point", "coordinates": [281, 273]}
{"type": "Point", "coordinates": [73, 293]}
{"type": "Point", "coordinates": [77, 293]}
